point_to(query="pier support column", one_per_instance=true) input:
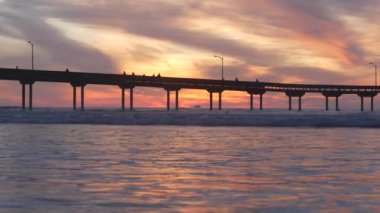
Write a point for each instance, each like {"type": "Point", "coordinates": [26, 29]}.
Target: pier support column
{"type": "Point", "coordinates": [292, 94]}
{"type": "Point", "coordinates": [299, 103]}
{"type": "Point", "coordinates": [168, 100]}
{"type": "Point", "coordinates": [176, 100]}
{"type": "Point", "coordinates": [337, 103]}
{"type": "Point", "coordinates": [74, 98]}
{"type": "Point", "coordinates": [253, 92]}
{"type": "Point", "coordinates": [211, 107]}
{"type": "Point", "coordinates": [30, 96]}
{"type": "Point", "coordinates": [362, 103]}
{"type": "Point", "coordinates": [131, 98]}
{"type": "Point", "coordinates": [82, 97]}
{"type": "Point", "coordinates": [123, 99]}
{"type": "Point", "coordinates": [23, 96]}
{"type": "Point", "coordinates": [251, 101]}
{"type": "Point", "coordinates": [367, 94]}
{"type": "Point", "coordinates": [220, 101]}
{"type": "Point", "coordinates": [333, 94]}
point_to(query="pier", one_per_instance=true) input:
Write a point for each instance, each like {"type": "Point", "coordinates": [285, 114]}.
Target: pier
{"type": "Point", "coordinates": [28, 78]}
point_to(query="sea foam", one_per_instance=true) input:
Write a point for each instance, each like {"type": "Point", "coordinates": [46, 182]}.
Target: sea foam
{"type": "Point", "coordinates": [194, 117]}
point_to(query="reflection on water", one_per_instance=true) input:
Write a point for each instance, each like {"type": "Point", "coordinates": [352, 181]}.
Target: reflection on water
{"type": "Point", "coordinates": [118, 168]}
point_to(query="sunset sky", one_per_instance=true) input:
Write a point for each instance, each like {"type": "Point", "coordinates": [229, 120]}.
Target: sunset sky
{"type": "Point", "coordinates": [290, 41]}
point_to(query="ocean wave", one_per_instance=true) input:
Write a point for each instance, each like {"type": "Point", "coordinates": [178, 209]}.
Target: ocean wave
{"type": "Point", "coordinates": [193, 117]}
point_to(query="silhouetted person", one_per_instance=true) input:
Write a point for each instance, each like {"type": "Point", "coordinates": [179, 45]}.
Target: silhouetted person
{"type": "Point", "coordinates": [144, 75]}
{"type": "Point", "coordinates": [67, 69]}
{"type": "Point", "coordinates": [257, 80]}
{"type": "Point", "coordinates": [133, 73]}
{"type": "Point", "coordinates": [159, 75]}
{"type": "Point", "coordinates": [154, 75]}
{"type": "Point", "coordinates": [236, 79]}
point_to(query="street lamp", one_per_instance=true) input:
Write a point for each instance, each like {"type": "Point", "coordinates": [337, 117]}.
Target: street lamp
{"type": "Point", "coordinates": [375, 72]}
{"type": "Point", "coordinates": [31, 43]}
{"type": "Point", "coordinates": [222, 65]}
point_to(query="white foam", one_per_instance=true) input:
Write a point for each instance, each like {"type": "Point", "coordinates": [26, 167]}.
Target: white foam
{"type": "Point", "coordinates": [202, 117]}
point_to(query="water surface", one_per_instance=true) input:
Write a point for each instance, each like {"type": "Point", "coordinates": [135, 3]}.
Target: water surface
{"type": "Point", "coordinates": [82, 168]}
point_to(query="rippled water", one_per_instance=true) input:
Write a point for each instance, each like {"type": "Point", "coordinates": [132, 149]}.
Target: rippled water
{"type": "Point", "coordinates": [84, 168]}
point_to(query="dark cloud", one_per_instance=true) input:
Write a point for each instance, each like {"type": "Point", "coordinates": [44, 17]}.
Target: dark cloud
{"type": "Point", "coordinates": [61, 51]}
{"type": "Point", "coordinates": [316, 25]}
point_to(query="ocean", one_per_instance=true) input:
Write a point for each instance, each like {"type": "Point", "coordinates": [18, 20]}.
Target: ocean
{"type": "Point", "coordinates": [111, 168]}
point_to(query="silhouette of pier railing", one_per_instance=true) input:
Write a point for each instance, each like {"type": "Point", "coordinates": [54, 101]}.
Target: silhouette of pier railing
{"type": "Point", "coordinates": [81, 79]}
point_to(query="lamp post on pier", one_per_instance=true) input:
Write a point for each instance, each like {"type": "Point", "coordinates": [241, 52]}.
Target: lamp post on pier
{"type": "Point", "coordinates": [222, 65]}
{"type": "Point", "coordinates": [375, 72]}
{"type": "Point", "coordinates": [31, 43]}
